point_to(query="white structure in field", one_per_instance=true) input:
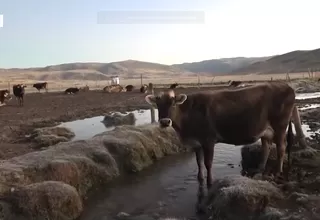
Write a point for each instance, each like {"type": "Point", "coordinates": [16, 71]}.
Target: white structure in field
{"type": "Point", "coordinates": [115, 80]}
{"type": "Point", "coordinates": [1, 21]}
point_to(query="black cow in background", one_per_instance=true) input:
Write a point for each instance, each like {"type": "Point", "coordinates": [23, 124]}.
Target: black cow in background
{"type": "Point", "coordinates": [18, 91]}
{"type": "Point", "coordinates": [72, 90]}
{"type": "Point", "coordinates": [39, 86]}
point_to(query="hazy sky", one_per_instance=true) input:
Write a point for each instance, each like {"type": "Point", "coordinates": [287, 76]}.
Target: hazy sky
{"type": "Point", "coordinates": [40, 33]}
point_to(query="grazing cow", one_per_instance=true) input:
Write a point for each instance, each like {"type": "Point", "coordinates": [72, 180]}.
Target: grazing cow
{"type": "Point", "coordinates": [234, 83]}
{"type": "Point", "coordinates": [174, 85]}
{"type": "Point", "coordinates": [114, 89]}
{"type": "Point", "coordinates": [39, 86]}
{"type": "Point", "coordinates": [72, 90]}
{"type": "Point", "coordinates": [4, 94]}
{"type": "Point", "coordinates": [84, 89]}
{"type": "Point", "coordinates": [237, 117]}
{"type": "Point", "coordinates": [129, 88]}
{"type": "Point", "coordinates": [144, 88]}
{"type": "Point", "coordinates": [18, 91]}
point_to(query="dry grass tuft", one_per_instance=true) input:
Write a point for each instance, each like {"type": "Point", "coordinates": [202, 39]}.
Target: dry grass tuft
{"type": "Point", "coordinates": [78, 166]}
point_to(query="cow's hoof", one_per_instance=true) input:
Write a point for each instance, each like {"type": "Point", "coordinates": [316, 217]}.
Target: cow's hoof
{"type": "Point", "coordinates": [200, 209]}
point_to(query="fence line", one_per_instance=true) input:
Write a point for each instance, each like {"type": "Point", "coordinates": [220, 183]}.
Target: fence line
{"type": "Point", "coordinates": [197, 80]}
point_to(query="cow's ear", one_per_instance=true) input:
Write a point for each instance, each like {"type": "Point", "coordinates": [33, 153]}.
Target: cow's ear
{"type": "Point", "coordinates": [180, 99]}
{"type": "Point", "coordinates": [151, 99]}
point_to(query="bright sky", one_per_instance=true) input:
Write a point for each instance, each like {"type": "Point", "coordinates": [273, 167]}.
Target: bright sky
{"type": "Point", "coordinates": [40, 33]}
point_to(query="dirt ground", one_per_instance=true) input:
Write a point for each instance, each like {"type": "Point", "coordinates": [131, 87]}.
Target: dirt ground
{"type": "Point", "coordinates": [48, 109]}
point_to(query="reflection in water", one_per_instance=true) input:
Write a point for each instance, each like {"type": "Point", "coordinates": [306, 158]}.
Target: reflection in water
{"type": "Point", "coordinates": [168, 188]}
{"type": "Point", "coordinates": [309, 106]}
{"type": "Point", "coordinates": [307, 95]}
{"type": "Point", "coordinates": [89, 127]}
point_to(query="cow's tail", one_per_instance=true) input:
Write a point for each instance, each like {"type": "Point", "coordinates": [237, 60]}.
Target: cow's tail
{"type": "Point", "coordinates": [290, 140]}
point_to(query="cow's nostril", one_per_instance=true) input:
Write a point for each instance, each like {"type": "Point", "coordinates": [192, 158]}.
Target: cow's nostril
{"type": "Point", "coordinates": [165, 122]}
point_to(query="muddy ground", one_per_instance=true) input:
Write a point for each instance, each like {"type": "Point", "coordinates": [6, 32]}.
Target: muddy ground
{"type": "Point", "coordinates": [48, 109]}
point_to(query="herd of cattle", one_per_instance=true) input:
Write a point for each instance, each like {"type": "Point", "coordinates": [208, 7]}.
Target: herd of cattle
{"type": "Point", "coordinates": [19, 90]}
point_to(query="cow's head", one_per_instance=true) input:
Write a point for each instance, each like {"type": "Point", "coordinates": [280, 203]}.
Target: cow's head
{"type": "Point", "coordinates": [166, 103]}
{"type": "Point", "coordinates": [6, 93]}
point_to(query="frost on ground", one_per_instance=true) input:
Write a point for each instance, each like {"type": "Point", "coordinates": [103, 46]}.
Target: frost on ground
{"type": "Point", "coordinates": [35, 183]}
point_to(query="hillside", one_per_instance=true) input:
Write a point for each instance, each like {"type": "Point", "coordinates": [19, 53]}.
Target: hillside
{"type": "Point", "coordinates": [220, 66]}
{"type": "Point", "coordinates": [96, 71]}
{"type": "Point", "coordinates": [295, 61]}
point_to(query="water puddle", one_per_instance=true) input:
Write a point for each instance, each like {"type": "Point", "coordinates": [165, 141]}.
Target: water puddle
{"type": "Point", "coordinates": [89, 127]}
{"type": "Point", "coordinates": [312, 95]}
{"type": "Point", "coordinates": [168, 188]}
{"type": "Point", "coordinates": [309, 106]}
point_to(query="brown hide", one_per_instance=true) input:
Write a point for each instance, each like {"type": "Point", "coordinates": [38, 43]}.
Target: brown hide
{"type": "Point", "coordinates": [236, 117]}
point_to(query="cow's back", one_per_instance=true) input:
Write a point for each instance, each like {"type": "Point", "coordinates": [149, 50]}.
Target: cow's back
{"type": "Point", "coordinates": [234, 113]}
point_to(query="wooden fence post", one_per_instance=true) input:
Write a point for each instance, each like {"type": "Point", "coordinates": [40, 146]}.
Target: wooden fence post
{"type": "Point", "coordinates": [152, 110]}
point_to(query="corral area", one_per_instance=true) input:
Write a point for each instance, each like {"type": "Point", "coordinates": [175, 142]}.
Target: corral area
{"type": "Point", "coordinates": [73, 169]}
{"type": "Point", "coordinates": [49, 109]}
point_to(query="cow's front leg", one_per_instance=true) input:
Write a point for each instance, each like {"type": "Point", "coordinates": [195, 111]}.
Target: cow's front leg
{"type": "Point", "coordinates": [199, 158]}
{"type": "Point", "coordinates": [208, 152]}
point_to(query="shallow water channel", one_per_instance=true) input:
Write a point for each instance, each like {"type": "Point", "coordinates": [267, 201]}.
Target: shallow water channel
{"type": "Point", "coordinates": [168, 188]}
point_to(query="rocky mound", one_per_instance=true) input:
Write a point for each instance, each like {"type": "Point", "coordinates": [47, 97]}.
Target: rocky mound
{"type": "Point", "coordinates": [51, 184]}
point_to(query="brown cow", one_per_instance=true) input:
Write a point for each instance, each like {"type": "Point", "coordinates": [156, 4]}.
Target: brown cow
{"type": "Point", "coordinates": [4, 94]}
{"type": "Point", "coordinates": [114, 89]}
{"type": "Point", "coordinates": [237, 117]}
{"type": "Point", "coordinates": [144, 88]}
{"type": "Point", "coordinates": [129, 88]}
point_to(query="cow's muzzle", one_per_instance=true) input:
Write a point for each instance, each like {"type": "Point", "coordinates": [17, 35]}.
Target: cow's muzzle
{"type": "Point", "coordinates": [165, 122]}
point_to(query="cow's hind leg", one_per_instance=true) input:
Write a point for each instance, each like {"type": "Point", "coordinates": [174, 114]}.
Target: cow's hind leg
{"type": "Point", "coordinates": [265, 145]}
{"type": "Point", "coordinates": [208, 152]}
{"type": "Point", "coordinates": [281, 150]}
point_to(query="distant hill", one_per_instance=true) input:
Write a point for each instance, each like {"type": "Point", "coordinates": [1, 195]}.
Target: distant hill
{"type": "Point", "coordinates": [220, 66]}
{"type": "Point", "coordinates": [295, 61]}
{"type": "Point", "coordinates": [99, 71]}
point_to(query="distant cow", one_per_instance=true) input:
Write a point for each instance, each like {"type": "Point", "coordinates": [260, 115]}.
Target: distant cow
{"type": "Point", "coordinates": [4, 94]}
{"type": "Point", "coordinates": [72, 90]}
{"type": "Point", "coordinates": [234, 83]}
{"type": "Point", "coordinates": [18, 91]}
{"type": "Point", "coordinates": [262, 111]}
{"type": "Point", "coordinates": [84, 89]}
{"type": "Point", "coordinates": [174, 85]}
{"type": "Point", "coordinates": [39, 86]}
{"type": "Point", "coordinates": [114, 89]}
{"type": "Point", "coordinates": [129, 88]}
{"type": "Point", "coordinates": [144, 88]}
